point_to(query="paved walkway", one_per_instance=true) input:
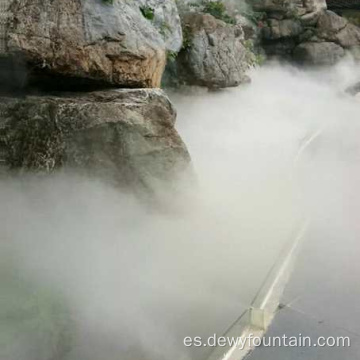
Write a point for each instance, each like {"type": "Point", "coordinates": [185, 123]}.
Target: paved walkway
{"type": "Point", "coordinates": [322, 296]}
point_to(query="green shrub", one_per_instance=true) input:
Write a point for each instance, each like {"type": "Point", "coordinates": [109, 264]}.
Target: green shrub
{"type": "Point", "coordinates": [253, 16]}
{"type": "Point", "coordinates": [187, 37]}
{"type": "Point", "coordinates": [218, 10]}
{"type": "Point", "coordinates": [108, 2]}
{"type": "Point", "coordinates": [254, 56]}
{"type": "Point", "coordinates": [171, 56]}
{"type": "Point", "coordinates": [148, 12]}
{"type": "Point", "coordinates": [260, 59]}
{"type": "Point", "coordinates": [214, 8]}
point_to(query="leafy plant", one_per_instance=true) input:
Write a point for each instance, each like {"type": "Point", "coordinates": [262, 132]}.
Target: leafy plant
{"type": "Point", "coordinates": [218, 10]}
{"type": "Point", "coordinates": [187, 37]}
{"type": "Point", "coordinates": [148, 12]}
{"type": "Point", "coordinates": [254, 16]}
{"type": "Point", "coordinates": [253, 55]}
{"type": "Point", "coordinates": [260, 59]}
{"type": "Point", "coordinates": [171, 56]}
{"type": "Point", "coordinates": [108, 2]}
{"type": "Point", "coordinates": [215, 8]}
{"type": "Point", "coordinates": [249, 45]}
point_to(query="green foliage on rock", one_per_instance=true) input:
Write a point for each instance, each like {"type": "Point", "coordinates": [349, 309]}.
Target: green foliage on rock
{"type": "Point", "coordinates": [171, 56]}
{"type": "Point", "coordinates": [255, 57]}
{"type": "Point", "coordinates": [187, 37]}
{"type": "Point", "coordinates": [148, 12]}
{"type": "Point", "coordinates": [254, 16]}
{"type": "Point", "coordinates": [218, 10]}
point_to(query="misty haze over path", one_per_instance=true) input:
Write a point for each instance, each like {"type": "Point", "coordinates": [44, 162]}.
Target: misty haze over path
{"type": "Point", "coordinates": [133, 281]}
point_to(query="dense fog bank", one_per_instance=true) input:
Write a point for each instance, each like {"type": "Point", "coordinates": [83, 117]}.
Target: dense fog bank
{"type": "Point", "coordinates": [134, 281]}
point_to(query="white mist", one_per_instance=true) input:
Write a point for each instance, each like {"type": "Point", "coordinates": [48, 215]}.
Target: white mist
{"type": "Point", "coordinates": [136, 281]}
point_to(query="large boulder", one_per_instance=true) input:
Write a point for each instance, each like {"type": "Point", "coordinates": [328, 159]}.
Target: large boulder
{"type": "Point", "coordinates": [288, 23]}
{"type": "Point", "coordinates": [329, 24]}
{"type": "Point", "coordinates": [314, 5]}
{"type": "Point", "coordinates": [305, 31]}
{"type": "Point", "coordinates": [100, 41]}
{"type": "Point", "coordinates": [333, 27]}
{"type": "Point", "coordinates": [288, 8]}
{"type": "Point", "coordinates": [213, 54]}
{"type": "Point", "coordinates": [277, 6]}
{"type": "Point", "coordinates": [322, 53]}
{"type": "Point", "coordinates": [126, 136]}
{"type": "Point", "coordinates": [249, 27]}
{"type": "Point", "coordinates": [349, 37]}
{"type": "Point", "coordinates": [278, 29]}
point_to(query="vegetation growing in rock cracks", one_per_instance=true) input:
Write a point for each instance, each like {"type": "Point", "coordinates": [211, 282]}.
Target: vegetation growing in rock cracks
{"type": "Point", "coordinates": [253, 55]}
{"type": "Point", "coordinates": [218, 10]}
{"type": "Point", "coordinates": [171, 56]}
{"type": "Point", "coordinates": [148, 12]}
{"type": "Point", "coordinates": [187, 37]}
{"type": "Point", "coordinates": [253, 16]}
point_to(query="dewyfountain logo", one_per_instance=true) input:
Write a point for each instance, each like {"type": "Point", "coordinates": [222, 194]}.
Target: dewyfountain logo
{"type": "Point", "coordinates": [271, 341]}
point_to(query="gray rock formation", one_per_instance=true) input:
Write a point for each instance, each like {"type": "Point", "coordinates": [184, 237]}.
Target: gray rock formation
{"type": "Point", "coordinates": [166, 21]}
{"type": "Point", "coordinates": [332, 27]}
{"type": "Point", "coordinates": [289, 8]}
{"type": "Point", "coordinates": [127, 136]}
{"type": "Point", "coordinates": [248, 27]}
{"type": "Point", "coordinates": [112, 43]}
{"type": "Point", "coordinates": [214, 55]}
{"type": "Point", "coordinates": [278, 29]}
{"type": "Point", "coordinates": [280, 6]}
{"type": "Point", "coordinates": [323, 53]}
{"type": "Point", "coordinates": [306, 32]}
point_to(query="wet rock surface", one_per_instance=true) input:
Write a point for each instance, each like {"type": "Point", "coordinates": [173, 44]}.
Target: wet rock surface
{"type": "Point", "coordinates": [214, 55]}
{"type": "Point", "coordinates": [106, 42]}
{"type": "Point", "coordinates": [125, 136]}
{"type": "Point", "coordinates": [166, 20]}
{"type": "Point", "coordinates": [306, 32]}
{"type": "Point", "coordinates": [323, 53]}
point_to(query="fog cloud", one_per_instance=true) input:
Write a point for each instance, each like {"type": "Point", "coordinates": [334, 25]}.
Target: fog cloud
{"type": "Point", "coordinates": [133, 281]}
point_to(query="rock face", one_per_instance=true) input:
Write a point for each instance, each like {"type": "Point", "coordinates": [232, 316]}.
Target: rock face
{"type": "Point", "coordinates": [324, 53]}
{"type": "Point", "coordinates": [288, 8]}
{"type": "Point", "coordinates": [110, 43]}
{"type": "Point", "coordinates": [166, 21]}
{"type": "Point", "coordinates": [214, 55]}
{"type": "Point", "coordinates": [306, 32]}
{"type": "Point", "coordinates": [127, 136]}
{"type": "Point", "coordinates": [278, 29]}
{"type": "Point", "coordinates": [248, 27]}
{"type": "Point", "coordinates": [332, 27]}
